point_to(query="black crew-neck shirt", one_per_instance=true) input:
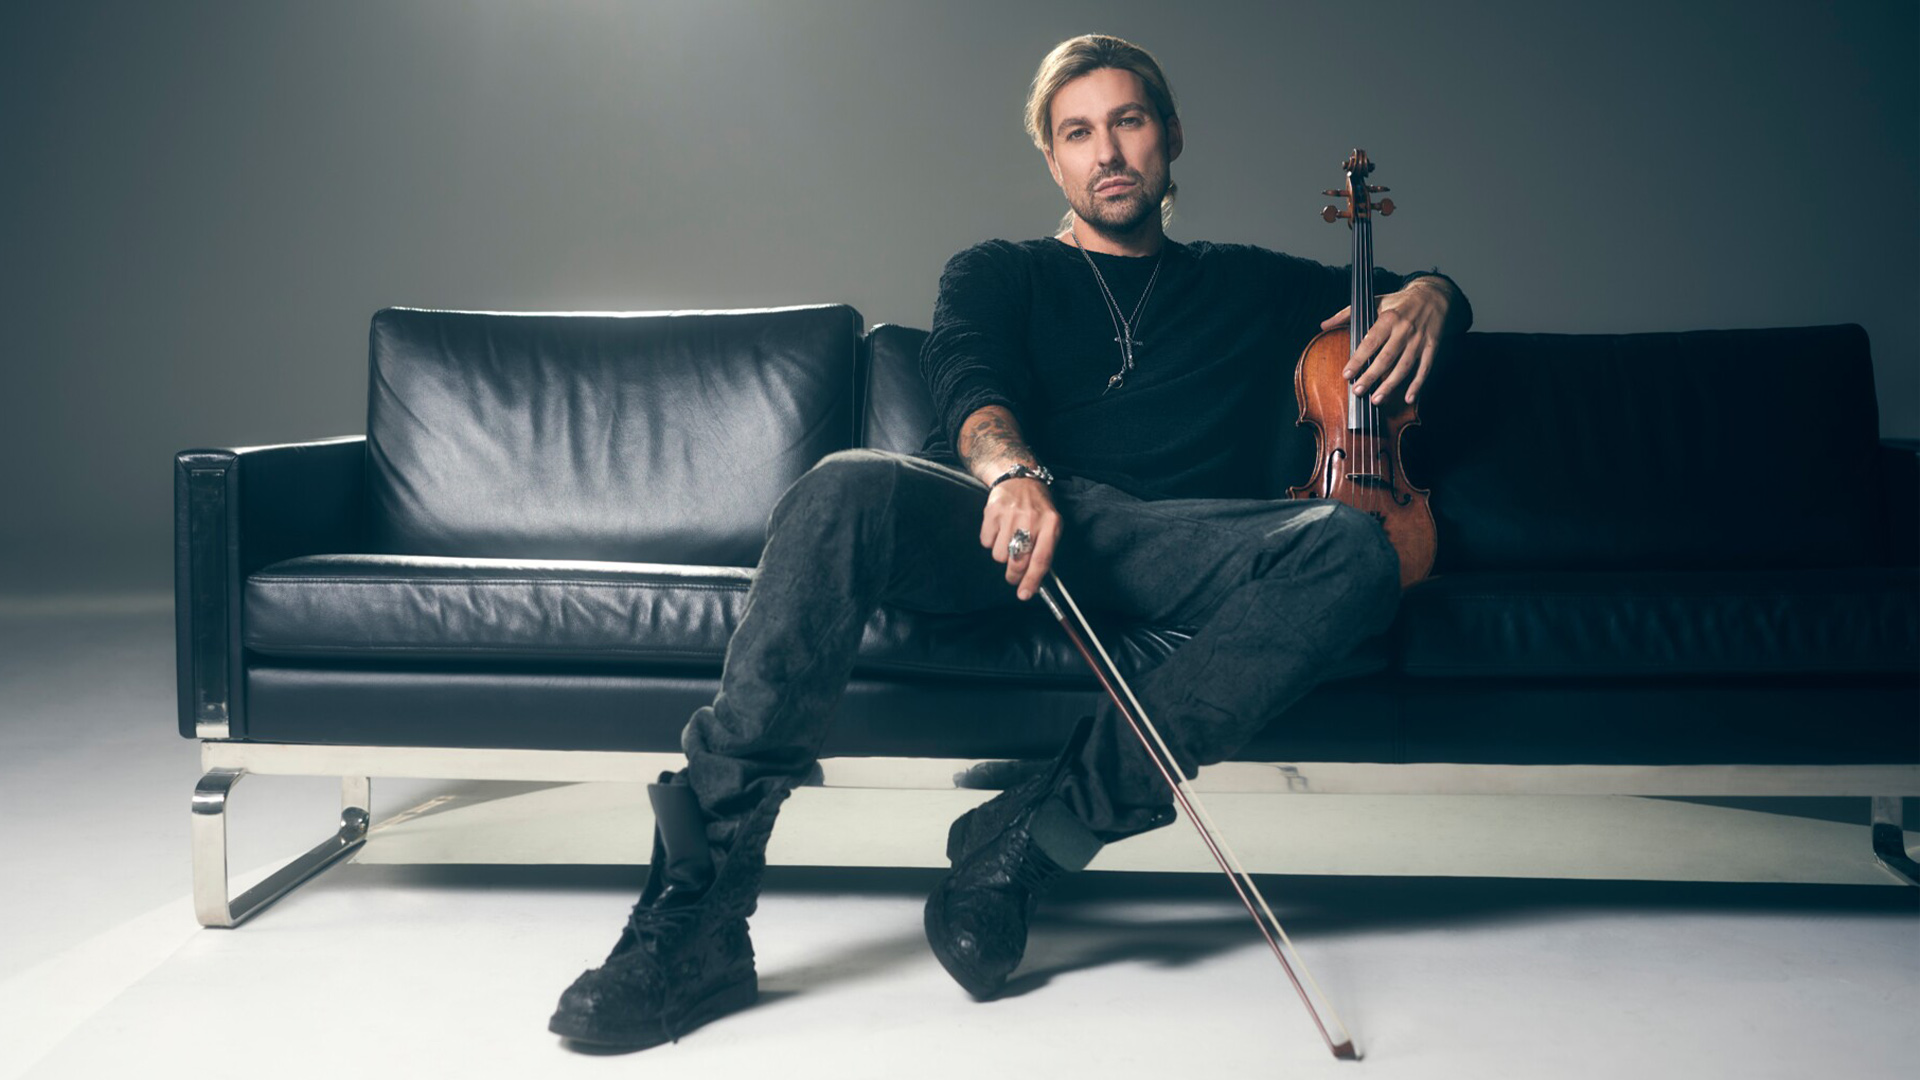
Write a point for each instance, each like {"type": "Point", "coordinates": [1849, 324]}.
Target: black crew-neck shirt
{"type": "Point", "coordinates": [1024, 325]}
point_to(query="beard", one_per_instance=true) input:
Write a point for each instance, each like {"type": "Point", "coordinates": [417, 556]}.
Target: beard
{"type": "Point", "coordinates": [1126, 215]}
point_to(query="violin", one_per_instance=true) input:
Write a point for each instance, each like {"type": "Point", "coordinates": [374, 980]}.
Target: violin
{"type": "Point", "coordinates": [1357, 456]}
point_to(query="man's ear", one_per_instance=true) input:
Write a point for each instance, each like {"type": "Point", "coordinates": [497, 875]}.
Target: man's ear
{"type": "Point", "coordinates": [1175, 140]}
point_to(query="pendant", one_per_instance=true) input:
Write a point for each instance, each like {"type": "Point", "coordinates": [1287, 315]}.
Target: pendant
{"type": "Point", "coordinates": [1126, 344]}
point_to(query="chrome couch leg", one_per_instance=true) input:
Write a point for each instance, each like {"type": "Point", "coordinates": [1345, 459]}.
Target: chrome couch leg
{"type": "Point", "coordinates": [210, 903]}
{"type": "Point", "coordinates": [1890, 840]}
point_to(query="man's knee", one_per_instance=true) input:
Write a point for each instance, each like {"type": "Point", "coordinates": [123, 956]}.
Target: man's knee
{"type": "Point", "coordinates": [1367, 556]}
{"type": "Point", "coordinates": [845, 481]}
{"type": "Point", "coordinates": [1377, 560]}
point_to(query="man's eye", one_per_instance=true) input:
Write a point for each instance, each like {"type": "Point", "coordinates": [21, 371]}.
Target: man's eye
{"type": "Point", "coordinates": [1076, 133]}
{"type": "Point", "coordinates": [1134, 120]}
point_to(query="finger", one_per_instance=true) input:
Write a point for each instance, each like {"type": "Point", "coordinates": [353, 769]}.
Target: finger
{"type": "Point", "coordinates": [997, 547]}
{"type": "Point", "coordinates": [1391, 358]}
{"type": "Point", "coordinates": [1338, 318]}
{"type": "Point", "coordinates": [1393, 380]}
{"type": "Point", "coordinates": [989, 527]}
{"type": "Point", "coordinates": [1362, 356]}
{"type": "Point", "coordinates": [1426, 365]}
{"type": "Point", "coordinates": [1367, 354]}
{"type": "Point", "coordinates": [1399, 363]}
{"type": "Point", "coordinates": [1017, 564]}
{"type": "Point", "coordinates": [1041, 562]}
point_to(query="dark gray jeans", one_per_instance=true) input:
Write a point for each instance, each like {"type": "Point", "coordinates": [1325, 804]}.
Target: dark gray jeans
{"type": "Point", "coordinates": [1275, 592]}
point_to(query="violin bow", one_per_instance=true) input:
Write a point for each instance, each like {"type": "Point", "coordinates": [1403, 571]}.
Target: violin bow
{"type": "Point", "coordinates": [1054, 592]}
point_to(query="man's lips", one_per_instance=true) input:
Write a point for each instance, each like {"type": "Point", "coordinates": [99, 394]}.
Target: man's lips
{"type": "Point", "coordinates": [1118, 183]}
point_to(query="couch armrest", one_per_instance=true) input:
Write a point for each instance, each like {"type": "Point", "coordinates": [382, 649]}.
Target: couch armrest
{"type": "Point", "coordinates": [235, 511]}
{"type": "Point", "coordinates": [1900, 496]}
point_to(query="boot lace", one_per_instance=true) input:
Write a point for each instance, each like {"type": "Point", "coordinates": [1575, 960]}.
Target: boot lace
{"type": "Point", "coordinates": [1035, 872]}
{"type": "Point", "coordinates": [654, 929]}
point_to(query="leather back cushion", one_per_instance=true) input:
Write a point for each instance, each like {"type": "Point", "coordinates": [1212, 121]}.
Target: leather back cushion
{"type": "Point", "coordinates": [1724, 449]}
{"type": "Point", "coordinates": [898, 411]}
{"type": "Point", "coordinates": [635, 438]}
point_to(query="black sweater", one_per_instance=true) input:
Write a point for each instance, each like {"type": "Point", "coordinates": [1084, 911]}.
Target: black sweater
{"type": "Point", "coordinates": [1023, 325]}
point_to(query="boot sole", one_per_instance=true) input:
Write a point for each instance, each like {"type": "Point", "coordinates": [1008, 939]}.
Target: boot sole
{"type": "Point", "coordinates": [937, 937]}
{"type": "Point", "coordinates": [727, 999]}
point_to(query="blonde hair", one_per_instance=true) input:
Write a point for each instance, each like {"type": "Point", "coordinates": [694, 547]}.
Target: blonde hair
{"type": "Point", "coordinates": [1078, 56]}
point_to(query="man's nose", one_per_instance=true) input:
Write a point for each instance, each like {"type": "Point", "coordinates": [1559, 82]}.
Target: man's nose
{"type": "Point", "coordinates": [1107, 149]}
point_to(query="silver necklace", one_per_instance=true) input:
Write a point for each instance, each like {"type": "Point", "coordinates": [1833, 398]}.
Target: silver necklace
{"type": "Point", "coordinates": [1123, 325]}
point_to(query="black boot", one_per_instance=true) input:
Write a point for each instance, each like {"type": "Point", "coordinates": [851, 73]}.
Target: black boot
{"type": "Point", "coordinates": [1006, 854]}
{"type": "Point", "coordinates": [684, 957]}
{"type": "Point", "coordinates": [1026, 781]}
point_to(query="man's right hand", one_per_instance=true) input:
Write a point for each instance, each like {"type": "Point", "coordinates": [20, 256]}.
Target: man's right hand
{"type": "Point", "coordinates": [1014, 505]}
{"type": "Point", "coordinates": [990, 444]}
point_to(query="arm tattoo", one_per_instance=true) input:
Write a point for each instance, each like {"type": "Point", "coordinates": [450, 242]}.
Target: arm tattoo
{"type": "Point", "coordinates": [989, 437]}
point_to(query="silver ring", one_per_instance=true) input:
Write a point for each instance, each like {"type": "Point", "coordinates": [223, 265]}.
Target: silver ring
{"type": "Point", "coordinates": [1021, 543]}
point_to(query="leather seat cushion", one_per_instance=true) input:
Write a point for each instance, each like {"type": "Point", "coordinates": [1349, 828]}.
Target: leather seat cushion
{"type": "Point", "coordinates": [1862, 620]}
{"type": "Point", "coordinates": [434, 608]}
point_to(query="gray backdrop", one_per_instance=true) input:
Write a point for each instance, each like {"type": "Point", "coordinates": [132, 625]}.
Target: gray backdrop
{"type": "Point", "coordinates": [204, 202]}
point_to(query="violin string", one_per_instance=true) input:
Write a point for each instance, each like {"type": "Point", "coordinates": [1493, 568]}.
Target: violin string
{"type": "Point", "coordinates": [1363, 235]}
{"type": "Point", "coordinates": [1374, 419]}
{"type": "Point", "coordinates": [1366, 298]}
{"type": "Point", "coordinates": [1379, 418]}
{"type": "Point", "coordinates": [1364, 278]}
{"type": "Point", "coordinates": [1355, 299]}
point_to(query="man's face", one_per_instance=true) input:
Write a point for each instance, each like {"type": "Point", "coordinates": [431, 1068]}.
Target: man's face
{"type": "Point", "coordinates": [1110, 152]}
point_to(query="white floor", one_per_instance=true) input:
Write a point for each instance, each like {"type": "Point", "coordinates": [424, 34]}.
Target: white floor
{"type": "Point", "coordinates": [383, 970]}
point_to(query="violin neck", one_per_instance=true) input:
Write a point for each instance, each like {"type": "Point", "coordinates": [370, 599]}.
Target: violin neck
{"type": "Point", "coordinates": [1362, 298]}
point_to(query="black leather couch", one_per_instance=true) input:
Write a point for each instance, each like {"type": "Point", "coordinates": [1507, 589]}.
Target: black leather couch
{"type": "Point", "coordinates": [1662, 550]}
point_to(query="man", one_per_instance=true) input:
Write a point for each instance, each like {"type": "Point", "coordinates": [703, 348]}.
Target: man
{"type": "Point", "coordinates": [1106, 391]}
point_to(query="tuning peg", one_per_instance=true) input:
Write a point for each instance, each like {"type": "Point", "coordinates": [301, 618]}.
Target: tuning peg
{"type": "Point", "coordinates": [1385, 206]}
{"type": "Point", "coordinates": [1334, 193]}
{"type": "Point", "coordinates": [1377, 187]}
{"type": "Point", "coordinates": [1329, 213]}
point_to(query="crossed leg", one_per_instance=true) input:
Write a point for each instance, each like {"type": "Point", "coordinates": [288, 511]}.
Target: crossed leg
{"type": "Point", "coordinates": [1273, 590]}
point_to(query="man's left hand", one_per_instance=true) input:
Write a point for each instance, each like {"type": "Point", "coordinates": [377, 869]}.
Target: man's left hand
{"type": "Point", "coordinates": [1402, 344]}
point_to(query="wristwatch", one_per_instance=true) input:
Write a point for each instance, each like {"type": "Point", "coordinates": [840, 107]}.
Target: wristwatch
{"type": "Point", "coordinates": [1023, 472]}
